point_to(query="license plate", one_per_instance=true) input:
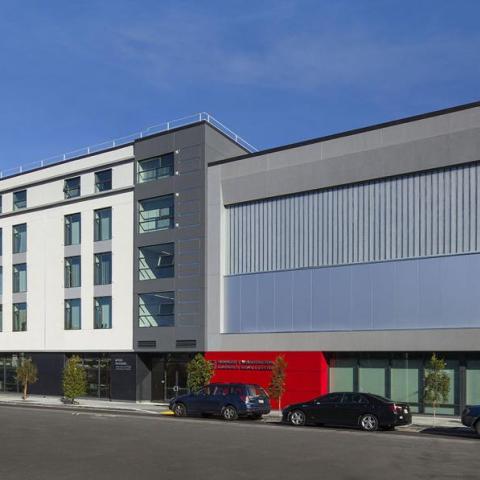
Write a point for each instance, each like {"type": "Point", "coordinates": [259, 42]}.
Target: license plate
{"type": "Point", "coordinates": [260, 401]}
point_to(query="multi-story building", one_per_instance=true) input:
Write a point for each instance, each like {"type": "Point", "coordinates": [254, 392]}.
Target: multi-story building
{"type": "Point", "coordinates": [354, 255]}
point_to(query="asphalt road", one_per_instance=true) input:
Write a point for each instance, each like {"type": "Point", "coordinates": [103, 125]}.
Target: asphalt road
{"type": "Point", "coordinates": [36, 444]}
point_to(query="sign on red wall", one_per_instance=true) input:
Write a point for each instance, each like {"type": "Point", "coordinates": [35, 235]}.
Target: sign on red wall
{"type": "Point", "coordinates": [306, 374]}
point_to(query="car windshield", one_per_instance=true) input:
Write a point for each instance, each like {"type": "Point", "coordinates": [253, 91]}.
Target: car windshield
{"type": "Point", "coordinates": [256, 391]}
{"type": "Point", "coordinates": [382, 399]}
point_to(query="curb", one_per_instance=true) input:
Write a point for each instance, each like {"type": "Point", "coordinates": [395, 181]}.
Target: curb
{"type": "Point", "coordinates": [80, 408]}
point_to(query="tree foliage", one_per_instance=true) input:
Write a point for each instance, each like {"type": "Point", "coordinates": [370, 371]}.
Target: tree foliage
{"type": "Point", "coordinates": [27, 373]}
{"type": "Point", "coordinates": [277, 384]}
{"type": "Point", "coordinates": [199, 372]}
{"type": "Point", "coordinates": [74, 379]}
{"type": "Point", "coordinates": [437, 383]}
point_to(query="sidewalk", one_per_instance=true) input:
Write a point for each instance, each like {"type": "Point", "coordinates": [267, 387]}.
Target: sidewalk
{"type": "Point", "coordinates": [419, 422]}
{"type": "Point", "coordinates": [87, 404]}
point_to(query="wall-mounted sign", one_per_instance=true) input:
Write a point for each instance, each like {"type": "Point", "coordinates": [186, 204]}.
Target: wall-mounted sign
{"type": "Point", "coordinates": [120, 364]}
{"type": "Point", "coordinates": [243, 364]}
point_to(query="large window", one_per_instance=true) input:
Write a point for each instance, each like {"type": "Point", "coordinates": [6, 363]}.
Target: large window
{"type": "Point", "coordinates": [155, 214]}
{"type": "Point", "coordinates": [19, 199]}
{"type": "Point", "coordinates": [156, 261]}
{"type": "Point", "coordinates": [156, 309]}
{"type": "Point", "coordinates": [155, 168]}
{"type": "Point", "coordinates": [73, 314]}
{"type": "Point", "coordinates": [103, 224]}
{"type": "Point", "coordinates": [73, 229]}
{"type": "Point", "coordinates": [19, 317]}
{"type": "Point", "coordinates": [103, 180]}
{"type": "Point", "coordinates": [103, 268]}
{"type": "Point", "coordinates": [73, 272]}
{"type": "Point", "coordinates": [71, 187]}
{"type": "Point", "coordinates": [19, 278]}
{"type": "Point", "coordinates": [19, 238]}
{"type": "Point", "coordinates": [103, 312]}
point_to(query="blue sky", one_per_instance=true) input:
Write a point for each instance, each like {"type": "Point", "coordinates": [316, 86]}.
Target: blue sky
{"type": "Point", "coordinates": [78, 73]}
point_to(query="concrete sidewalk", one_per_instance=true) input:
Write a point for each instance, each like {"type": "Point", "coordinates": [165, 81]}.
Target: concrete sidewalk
{"type": "Point", "coordinates": [87, 404]}
{"type": "Point", "coordinates": [419, 422]}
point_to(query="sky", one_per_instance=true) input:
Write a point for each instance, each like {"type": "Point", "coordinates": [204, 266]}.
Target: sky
{"type": "Point", "coordinates": [78, 73]}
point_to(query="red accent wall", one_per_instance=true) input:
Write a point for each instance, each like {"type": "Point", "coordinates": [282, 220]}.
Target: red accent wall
{"type": "Point", "coordinates": [306, 375]}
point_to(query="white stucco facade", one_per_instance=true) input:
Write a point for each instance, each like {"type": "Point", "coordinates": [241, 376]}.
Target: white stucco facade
{"type": "Point", "coordinates": [45, 220]}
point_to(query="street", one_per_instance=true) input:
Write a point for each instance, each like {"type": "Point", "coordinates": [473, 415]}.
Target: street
{"type": "Point", "coordinates": [39, 444]}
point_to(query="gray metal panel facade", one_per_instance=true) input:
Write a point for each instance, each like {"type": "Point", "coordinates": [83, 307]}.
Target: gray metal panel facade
{"type": "Point", "coordinates": [417, 215]}
{"type": "Point", "coordinates": [428, 293]}
{"type": "Point", "coordinates": [193, 147]}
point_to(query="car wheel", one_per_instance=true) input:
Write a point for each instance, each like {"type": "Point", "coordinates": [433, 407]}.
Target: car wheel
{"type": "Point", "coordinates": [477, 427]}
{"type": "Point", "coordinates": [297, 418]}
{"type": "Point", "coordinates": [369, 422]}
{"type": "Point", "coordinates": [229, 413]}
{"type": "Point", "coordinates": [180, 410]}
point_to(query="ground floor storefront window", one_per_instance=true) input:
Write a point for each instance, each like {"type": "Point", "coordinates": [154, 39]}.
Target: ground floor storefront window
{"type": "Point", "coordinates": [400, 376]}
{"type": "Point", "coordinates": [8, 372]}
{"type": "Point", "coordinates": [97, 368]}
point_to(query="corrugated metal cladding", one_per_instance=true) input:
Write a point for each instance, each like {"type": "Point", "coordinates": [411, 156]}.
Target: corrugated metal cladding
{"type": "Point", "coordinates": [424, 214]}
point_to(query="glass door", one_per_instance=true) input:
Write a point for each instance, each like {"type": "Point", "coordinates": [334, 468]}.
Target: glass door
{"type": "Point", "coordinates": [175, 380]}
{"type": "Point", "coordinates": [10, 365]}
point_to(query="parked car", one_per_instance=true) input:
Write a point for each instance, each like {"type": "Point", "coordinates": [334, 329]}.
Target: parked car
{"type": "Point", "coordinates": [230, 400]}
{"type": "Point", "coordinates": [367, 411]}
{"type": "Point", "coordinates": [471, 417]}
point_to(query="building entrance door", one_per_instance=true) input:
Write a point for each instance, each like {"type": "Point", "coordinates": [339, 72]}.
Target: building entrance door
{"type": "Point", "coordinates": [169, 378]}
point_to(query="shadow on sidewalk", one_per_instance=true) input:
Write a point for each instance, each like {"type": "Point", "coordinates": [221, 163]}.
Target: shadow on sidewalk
{"type": "Point", "coordinates": [462, 432]}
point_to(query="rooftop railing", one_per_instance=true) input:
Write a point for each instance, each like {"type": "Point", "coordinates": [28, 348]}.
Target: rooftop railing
{"type": "Point", "coordinates": [117, 142]}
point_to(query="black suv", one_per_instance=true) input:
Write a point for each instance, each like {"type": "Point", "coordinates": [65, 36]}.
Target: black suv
{"type": "Point", "coordinates": [230, 400]}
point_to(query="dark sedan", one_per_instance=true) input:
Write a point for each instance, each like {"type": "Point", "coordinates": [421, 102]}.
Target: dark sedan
{"type": "Point", "coordinates": [230, 400]}
{"type": "Point", "coordinates": [367, 411]}
{"type": "Point", "coordinates": [471, 417]}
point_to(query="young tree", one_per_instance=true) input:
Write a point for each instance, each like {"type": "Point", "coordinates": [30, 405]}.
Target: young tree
{"type": "Point", "coordinates": [27, 373]}
{"type": "Point", "coordinates": [277, 384]}
{"type": "Point", "coordinates": [74, 379]}
{"type": "Point", "coordinates": [199, 372]}
{"type": "Point", "coordinates": [437, 383]}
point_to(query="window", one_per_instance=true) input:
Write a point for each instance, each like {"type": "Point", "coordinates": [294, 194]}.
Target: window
{"type": "Point", "coordinates": [103, 312]}
{"type": "Point", "coordinates": [331, 398]}
{"type": "Point", "coordinates": [103, 268]}
{"type": "Point", "coordinates": [155, 168]}
{"type": "Point", "coordinates": [71, 187]}
{"type": "Point", "coordinates": [73, 314]}
{"type": "Point", "coordinates": [103, 224]}
{"type": "Point", "coordinates": [19, 317]}
{"type": "Point", "coordinates": [1, 280]}
{"type": "Point", "coordinates": [19, 199]}
{"type": "Point", "coordinates": [1, 242]}
{"type": "Point", "coordinates": [103, 180]}
{"type": "Point", "coordinates": [73, 272]}
{"type": "Point", "coordinates": [19, 238]}
{"type": "Point", "coordinates": [156, 261]}
{"type": "Point", "coordinates": [156, 309]}
{"type": "Point", "coordinates": [155, 214]}
{"type": "Point", "coordinates": [20, 278]}
{"type": "Point", "coordinates": [1, 318]}
{"type": "Point", "coordinates": [73, 229]}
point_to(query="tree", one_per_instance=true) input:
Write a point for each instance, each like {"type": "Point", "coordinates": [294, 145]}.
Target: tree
{"type": "Point", "coordinates": [74, 379]}
{"type": "Point", "coordinates": [277, 384]}
{"type": "Point", "coordinates": [199, 372]}
{"type": "Point", "coordinates": [27, 373]}
{"type": "Point", "coordinates": [437, 383]}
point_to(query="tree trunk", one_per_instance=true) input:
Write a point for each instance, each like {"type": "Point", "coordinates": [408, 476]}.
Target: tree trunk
{"type": "Point", "coordinates": [25, 391]}
{"type": "Point", "coordinates": [434, 412]}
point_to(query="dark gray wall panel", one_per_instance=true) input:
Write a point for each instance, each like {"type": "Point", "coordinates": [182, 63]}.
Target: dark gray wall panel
{"type": "Point", "coordinates": [428, 293]}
